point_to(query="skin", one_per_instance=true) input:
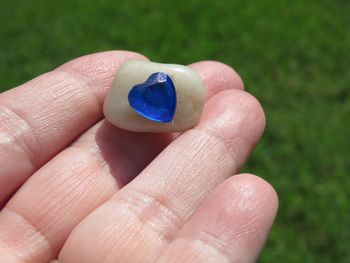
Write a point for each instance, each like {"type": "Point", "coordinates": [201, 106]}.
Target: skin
{"type": "Point", "coordinates": [73, 188]}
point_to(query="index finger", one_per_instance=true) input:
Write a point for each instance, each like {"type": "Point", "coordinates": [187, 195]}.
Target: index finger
{"type": "Point", "coordinates": [41, 117]}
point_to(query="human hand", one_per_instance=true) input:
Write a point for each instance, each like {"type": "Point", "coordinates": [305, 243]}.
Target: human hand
{"type": "Point", "coordinates": [81, 190]}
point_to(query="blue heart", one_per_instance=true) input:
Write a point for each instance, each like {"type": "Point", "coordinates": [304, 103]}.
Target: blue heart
{"type": "Point", "coordinates": [155, 99]}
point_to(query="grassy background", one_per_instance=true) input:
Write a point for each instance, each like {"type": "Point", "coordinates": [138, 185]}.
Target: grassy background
{"type": "Point", "coordinates": [293, 56]}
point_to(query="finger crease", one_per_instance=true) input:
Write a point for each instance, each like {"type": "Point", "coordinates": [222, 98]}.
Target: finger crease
{"type": "Point", "coordinates": [129, 156]}
{"type": "Point", "coordinates": [28, 141]}
{"type": "Point", "coordinates": [221, 141]}
{"type": "Point", "coordinates": [148, 208]}
{"type": "Point", "coordinates": [30, 233]}
{"type": "Point", "coordinates": [209, 248]}
{"type": "Point", "coordinates": [83, 82]}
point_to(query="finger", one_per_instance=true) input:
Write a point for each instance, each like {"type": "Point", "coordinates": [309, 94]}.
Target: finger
{"type": "Point", "coordinates": [218, 76]}
{"type": "Point", "coordinates": [79, 179]}
{"type": "Point", "coordinates": [140, 218]}
{"type": "Point", "coordinates": [41, 117]}
{"type": "Point", "coordinates": [231, 225]}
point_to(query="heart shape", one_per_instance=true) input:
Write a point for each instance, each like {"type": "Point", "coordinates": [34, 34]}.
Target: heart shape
{"type": "Point", "coordinates": [155, 99]}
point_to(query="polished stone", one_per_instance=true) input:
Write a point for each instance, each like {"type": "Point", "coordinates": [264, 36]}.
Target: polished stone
{"type": "Point", "coordinates": [159, 107]}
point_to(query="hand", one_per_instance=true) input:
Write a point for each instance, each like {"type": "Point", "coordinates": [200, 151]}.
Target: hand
{"type": "Point", "coordinates": [81, 190]}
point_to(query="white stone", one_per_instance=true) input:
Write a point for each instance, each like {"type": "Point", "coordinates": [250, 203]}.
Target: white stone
{"type": "Point", "coordinates": [190, 93]}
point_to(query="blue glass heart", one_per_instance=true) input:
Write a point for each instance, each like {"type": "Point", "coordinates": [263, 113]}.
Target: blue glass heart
{"type": "Point", "coordinates": [155, 99]}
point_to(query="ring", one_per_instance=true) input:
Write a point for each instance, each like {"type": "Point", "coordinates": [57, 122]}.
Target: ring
{"type": "Point", "coordinates": [155, 97]}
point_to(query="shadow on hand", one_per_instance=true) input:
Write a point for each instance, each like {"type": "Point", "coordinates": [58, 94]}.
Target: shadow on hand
{"type": "Point", "coordinates": [128, 153]}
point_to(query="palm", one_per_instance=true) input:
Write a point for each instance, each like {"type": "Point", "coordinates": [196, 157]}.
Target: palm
{"type": "Point", "coordinates": [81, 190]}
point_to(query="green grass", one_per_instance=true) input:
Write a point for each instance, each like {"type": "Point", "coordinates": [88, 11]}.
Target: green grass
{"type": "Point", "coordinates": [293, 56]}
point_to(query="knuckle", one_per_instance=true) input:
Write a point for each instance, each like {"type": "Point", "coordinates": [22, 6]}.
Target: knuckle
{"type": "Point", "coordinates": [153, 211]}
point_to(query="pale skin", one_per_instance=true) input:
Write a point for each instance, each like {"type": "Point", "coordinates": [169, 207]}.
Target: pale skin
{"type": "Point", "coordinates": [73, 188]}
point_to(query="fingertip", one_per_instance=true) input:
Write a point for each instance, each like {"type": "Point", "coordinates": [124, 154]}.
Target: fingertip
{"type": "Point", "coordinates": [249, 185]}
{"type": "Point", "coordinates": [232, 222]}
{"type": "Point", "coordinates": [250, 206]}
{"type": "Point", "coordinates": [217, 77]}
{"type": "Point", "coordinates": [244, 207]}
{"type": "Point", "coordinates": [236, 105]}
{"type": "Point", "coordinates": [236, 117]}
